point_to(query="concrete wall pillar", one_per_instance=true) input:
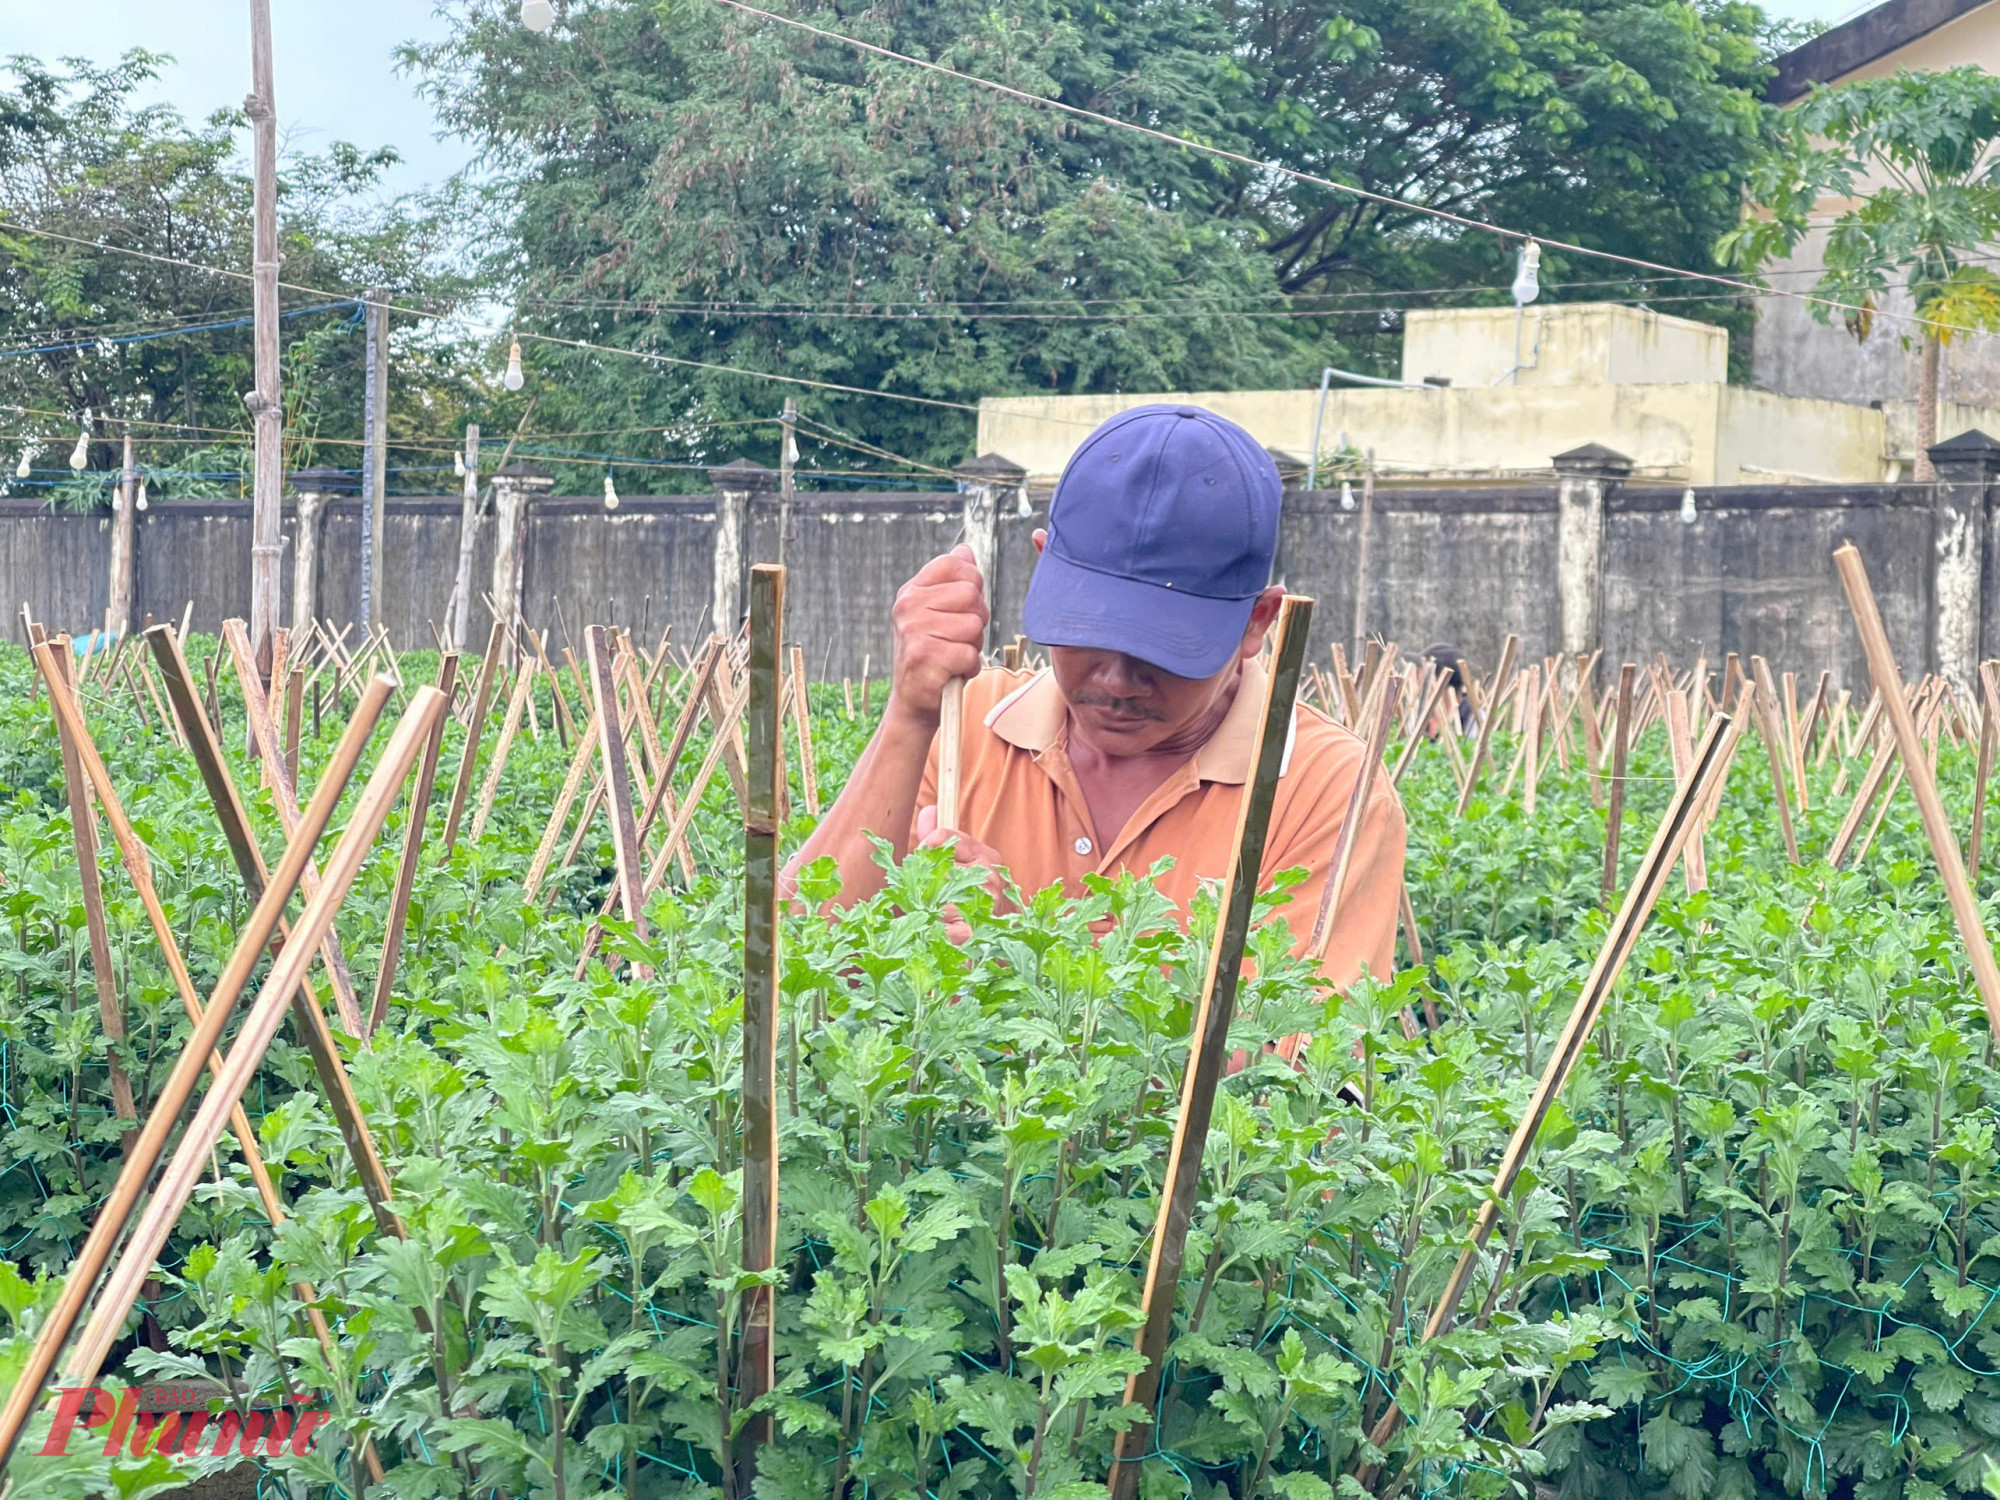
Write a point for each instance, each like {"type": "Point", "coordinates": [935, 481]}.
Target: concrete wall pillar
{"type": "Point", "coordinates": [1966, 467]}
{"type": "Point", "coordinates": [513, 487]}
{"type": "Point", "coordinates": [1586, 477]}
{"type": "Point", "coordinates": [124, 545]}
{"type": "Point", "coordinates": [737, 483]}
{"type": "Point", "coordinates": [984, 485]}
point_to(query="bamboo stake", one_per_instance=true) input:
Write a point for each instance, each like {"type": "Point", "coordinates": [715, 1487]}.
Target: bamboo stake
{"type": "Point", "coordinates": [950, 737]}
{"type": "Point", "coordinates": [1937, 829]}
{"type": "Point", "coordinates": [413, 843]}
{"type": "Point", "coordinates": [802, 724]}
{"type": "Point", "coordinates": [579, 767]}
{"type": "Point", "coordinates": [1864, 798]}
{"type": "Point", "coordinates": [139, 866]}
{"type": "Point", "coordinates": [1797, 755]}
{"type": "Point", "coordinates": [617, 780]}
{"type": "Point", "coordinates": [174, 1093]}
{"type": "Point", "coordinates": [1694, 868]}
{"type": "Point", "coordinates": [83, 832]}
{"type": "Point", "coordinates": [1627, 672]}
{"type": "Point", "coordinates": [1669, 842]}
{"type": "Point", "coordinates": [255, 874]}
{"type": "Point", "coordinates": [255, 711]}
{"type": "Point", "coordinates": [1421, 733]}
{"type": "Point", "coordinates": [246, 1055]}
{"type": "Point", "coordinates": [468, 761]}
{"type": "Point", "coordinates": [517, 702]}
{"type": "Point", "coordinates": [1486, 722]}
{"type": "Point", "coordinates": [756, 1371]}
{"type": "Point", "coordinates": [1350, 827]}
{"type": "Point", "coordinates": [1531, 734]}
{"type": "Point", "coordinates": [295, 702]}
{"type": "Point", "coordinates": [1593, 737]}
{"type": "Point", "coordinates": [1766, 706]}
{"type": "Point", "coordinates": [1210, 1045]}
{"type": "Point", "coordinates": [1989, 705]}
{"type": "Point", "coordinates": [658, 869]}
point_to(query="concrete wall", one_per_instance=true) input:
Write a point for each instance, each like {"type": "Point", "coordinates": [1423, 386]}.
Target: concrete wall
{"type": "Point", "coordinates": [1752, 573]}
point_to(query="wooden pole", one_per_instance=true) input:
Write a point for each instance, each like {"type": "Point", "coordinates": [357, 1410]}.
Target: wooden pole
{"type": "Point", "coordinates": [266, 407]}
{"type": "Point", "coordinates": [756, 1372]}
{"type": "Point", "coordinates": [246, 1054]}
{"type": "Point", "coordinates": [413, 842]}
{"type": "Point", "coordinates": [1209, 1050]}
{"type": "Point", "coordinates": [1916, 767]}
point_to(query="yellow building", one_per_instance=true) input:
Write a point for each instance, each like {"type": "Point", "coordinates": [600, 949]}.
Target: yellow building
{"type": "Point", "coordinates": [1644, 384]}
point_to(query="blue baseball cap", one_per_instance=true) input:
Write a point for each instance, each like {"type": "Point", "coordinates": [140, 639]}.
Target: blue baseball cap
{"type": "Point", "coordinates": [1162, 533]}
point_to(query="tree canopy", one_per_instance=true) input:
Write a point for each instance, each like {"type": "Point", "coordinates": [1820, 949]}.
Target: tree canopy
{"type": "Point", "coordinates": [685, 180]}
{"type": "Point", "coordinates": [78, 160]}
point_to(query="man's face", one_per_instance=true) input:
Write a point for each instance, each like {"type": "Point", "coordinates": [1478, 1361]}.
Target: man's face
{"type": "Point", "coordinates": [1125, 706]}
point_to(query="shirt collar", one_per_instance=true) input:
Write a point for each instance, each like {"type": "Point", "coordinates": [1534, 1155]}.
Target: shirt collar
{"type": "Point", "coordinates": [1035, 716]}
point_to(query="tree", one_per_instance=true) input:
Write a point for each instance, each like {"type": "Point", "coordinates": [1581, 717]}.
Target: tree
{"type": "Point", "coordinates": [77, 160]}
{"type": "Point", "coordinates": [692, 182]}
{"type": "Point", "coordinates": [1913, 156]}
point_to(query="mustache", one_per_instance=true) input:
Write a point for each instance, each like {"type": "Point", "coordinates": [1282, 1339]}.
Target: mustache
{"type": "Point", "coordinates": [1131, 707]}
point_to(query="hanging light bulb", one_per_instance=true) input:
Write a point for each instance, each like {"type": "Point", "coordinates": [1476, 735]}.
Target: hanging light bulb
{"type": "Point", "coordinates": [514, 379]}
{"type": "Point", "coordinates": [1021, 506]}
{"type": "Point", "coordinates": [25, 467]}
{"type": "Point", "coordinates": [537, 15]}
{"type": "Point", "coordinates": [139, 500]}
{"type": "Point", "coordinates": [1687, 506]}
{"type": "Point", "coordinates": [610, 492]}
{"type": "Point", "coordinates": [1527, 275]}
{"type": "Point", "coordinates": [1346, 495]}
{"type": "Point", "coordinates": [79, 456]}
{"type": "Point", "coordinates": [457, 464]}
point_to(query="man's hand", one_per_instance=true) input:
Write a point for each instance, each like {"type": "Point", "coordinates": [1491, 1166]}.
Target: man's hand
{"type": "Point", "coordinates": [940, 622]}
{"type": "Point", "coordinates": [967, 850]}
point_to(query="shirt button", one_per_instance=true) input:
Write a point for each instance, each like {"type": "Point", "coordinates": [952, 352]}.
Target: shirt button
{"type": "Point", "coordinates": [1083, 846]}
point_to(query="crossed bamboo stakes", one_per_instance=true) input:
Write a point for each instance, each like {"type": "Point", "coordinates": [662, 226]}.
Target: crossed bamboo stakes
{"type": "Point", "coordinates": [747, 690]}
{"type": "Point", "coordinates": [621, 709]}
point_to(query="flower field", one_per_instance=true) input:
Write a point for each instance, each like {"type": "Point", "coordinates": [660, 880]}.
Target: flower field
{"type": "Point", "coordinates": [1755, 1250]}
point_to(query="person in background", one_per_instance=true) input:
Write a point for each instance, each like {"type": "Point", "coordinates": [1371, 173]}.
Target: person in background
{"type": "Point", "coordinates": [1152, 595]}
{"type": "Point", "coordinates": [1449, 659]}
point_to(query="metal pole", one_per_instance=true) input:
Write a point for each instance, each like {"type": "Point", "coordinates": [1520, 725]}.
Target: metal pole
{"type": "Point", "coordinates": [266, 410]}
{"type": "Point", "coordinates": [1319, 415]}
{"type": "Point", "coordinates": [375, 450]}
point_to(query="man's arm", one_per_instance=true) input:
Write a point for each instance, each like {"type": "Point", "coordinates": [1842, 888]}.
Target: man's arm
{"type": "Point", "coordinates": [940, 625]}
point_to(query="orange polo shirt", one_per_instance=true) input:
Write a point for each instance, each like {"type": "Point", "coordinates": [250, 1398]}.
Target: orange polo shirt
{"type": "Point", "coordinates": [1019, 793]}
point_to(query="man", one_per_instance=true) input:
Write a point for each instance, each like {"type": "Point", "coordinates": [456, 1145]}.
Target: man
{"type": "Point", "coordinates": [1151, 596]}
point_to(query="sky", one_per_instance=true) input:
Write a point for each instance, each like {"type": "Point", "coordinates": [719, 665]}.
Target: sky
{"type": "Point", "coordinates": [333, 62]}
{"type": "Point", "coordinates": [336, 74]}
